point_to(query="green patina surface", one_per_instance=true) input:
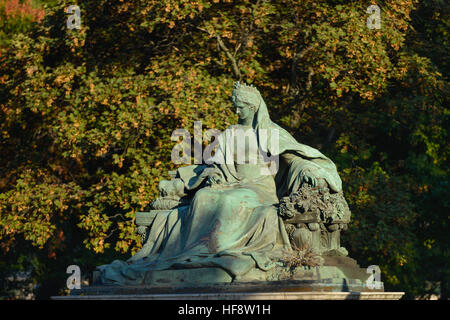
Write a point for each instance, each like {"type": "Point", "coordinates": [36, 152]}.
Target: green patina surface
{"type": "Point", "coordinates": [220, 223]}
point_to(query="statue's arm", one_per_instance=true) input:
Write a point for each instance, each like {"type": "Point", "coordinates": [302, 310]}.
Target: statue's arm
{"type": "Point", "coordinates": [302, 171]}
{"type": "Point", "coordinates": [212, 175]}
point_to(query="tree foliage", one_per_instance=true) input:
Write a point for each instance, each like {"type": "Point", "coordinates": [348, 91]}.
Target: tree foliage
{"type": "Point", "coordinates": [17, 17]}
{"type": "Point", "coordinates": [86, 117]}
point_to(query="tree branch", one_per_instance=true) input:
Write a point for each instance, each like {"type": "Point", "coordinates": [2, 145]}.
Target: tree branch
{"type": "Point", "coordinates": [236, 70]}
{"type": "Point", "coordinates": [295, 59]}
{"type": "Point", "coordinates": [231, 57]}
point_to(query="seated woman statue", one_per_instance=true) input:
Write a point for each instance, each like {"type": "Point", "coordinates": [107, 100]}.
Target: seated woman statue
{"type": "Point", "coordinates": [231, 221]}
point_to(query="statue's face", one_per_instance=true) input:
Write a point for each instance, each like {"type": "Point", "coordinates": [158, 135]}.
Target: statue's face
{"type": "Point", "coordinates": [243, 111]}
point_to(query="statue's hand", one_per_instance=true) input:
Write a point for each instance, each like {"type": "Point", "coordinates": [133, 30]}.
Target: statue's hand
{"type": "Point", "coordinates": [171, 188]}
{"type": "Point", "coordinates": [213, 176]}
{"type": "Point", "coordinates": [309, 178]}
{"type": "Point", "coordinates": [214, 179]}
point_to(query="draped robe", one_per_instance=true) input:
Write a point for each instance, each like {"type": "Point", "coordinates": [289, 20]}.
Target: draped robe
{"type": "Point", "coordinates": [233, 226]}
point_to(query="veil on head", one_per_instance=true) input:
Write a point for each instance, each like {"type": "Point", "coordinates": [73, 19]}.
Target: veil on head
{"type": "Point", "coordinates": [261, 121]}
{"type": "Point", "coordinates": [274, 140]}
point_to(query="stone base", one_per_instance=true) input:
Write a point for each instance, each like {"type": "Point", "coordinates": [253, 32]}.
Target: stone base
{"type": "Point", "coordinates": [245, 296]}
{"type": "Point", "coordinates": [338, 279]}
{"type": "Point", "coordinates": [339, 273]}
{"type": "Point", "coordinates": [274, 290]}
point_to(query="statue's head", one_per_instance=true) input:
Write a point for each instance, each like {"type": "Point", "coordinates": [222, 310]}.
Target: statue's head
{"type": "Point", "coordinates": [246, 100]}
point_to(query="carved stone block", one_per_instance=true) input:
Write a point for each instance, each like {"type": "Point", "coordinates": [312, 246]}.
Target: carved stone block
{"type": "Point", "coordinates": [314, 219]}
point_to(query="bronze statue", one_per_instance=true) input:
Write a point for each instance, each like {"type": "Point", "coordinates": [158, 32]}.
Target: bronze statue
{"type": "Point", "coordinates": [242, 216]}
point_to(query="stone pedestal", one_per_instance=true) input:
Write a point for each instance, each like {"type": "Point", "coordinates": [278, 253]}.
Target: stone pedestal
{"type": "Point", "coordinates": [340, 278]}
{"type": "Point", "coordinates": [243, 296]}
{"type": "Point", "coordinates": [342, 272]}
{"type": "Point", "coordinates": [326, 289]}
